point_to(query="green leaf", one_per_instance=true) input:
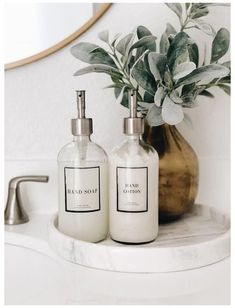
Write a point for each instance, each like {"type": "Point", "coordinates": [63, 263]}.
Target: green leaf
{"type": "Point", "coordinates": [148, 97]}
{"type": "Point", "coordinates": [143, 32]}
{"type": "Point", "coordinates": [170, 29]}
{"type": "Point", "coordinates": [164, 43]}
{"type": "Point", "coordinates": [227, 64]}
{"type": "Point", "coordinates": [220, 44]}
{"type": "Point", "coordinates": [116, 36]}
{"type": "Point", "coordinates": [187, 5]}
{"type": "Point", "coordinates": [145, 80]}
{"type": "Point", "coordinates": [183, 69]}
{"type": "Point", "coordinates": [117, 85]}
{"type": "Point", "coordinates": [123, 44]}
{"type": "Point", "coordinates": [168, 79]}
{"type": "Point", "coordinates": [143, 42]}
{"type": "Point", "coordinates": [157, 64]}
{"type": "Point", "coordinates": [206, 93]}
{"type": "Point", "coordinates": [99, 68]}
{"type": "Point", "coordinates": [92, 54]}
{"type": "Point", "coordinates": [145, 105]}
{"type": "Point", "coordinates": [124, 102]}
{"type": "Point", "coordinates": [104, 36]}
{"type": "Point", "coordinates": [154, 117]}
{"type": "Point", "coordinates": [204, 27]}
{"type": "Point", "coordinates": [225, 88]}
{"type": "Point", "coordinates": [203, 73]}
{"type": "Point", "coordinates": [174, 96]}
{"type": "Point", "coordinates": [218, 4]}
{"type": "Point", "coordinates": [159, 96]}
{"type": "Point", "coordinates": [198, 10]}
{"type": "Point", "coordinates": [193, 53]}
{"type": "Point", "coordinates": [177, 47]}
{"type": "Point", "coordinates": [176, 8]}
{"type": "Point", "coordinates": [139, 60]}
{"type": "Point", "coordinates": [172, 113]}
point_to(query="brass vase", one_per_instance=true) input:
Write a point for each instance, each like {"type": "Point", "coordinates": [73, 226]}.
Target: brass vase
{"type": "Point", "coordinates": [178, 171]}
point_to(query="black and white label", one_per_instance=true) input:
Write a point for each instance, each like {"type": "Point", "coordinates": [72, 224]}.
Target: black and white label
{"type": "Point", "coordinates": [132, 189]}
{"type": "Point", "coordinates": [82, 189]}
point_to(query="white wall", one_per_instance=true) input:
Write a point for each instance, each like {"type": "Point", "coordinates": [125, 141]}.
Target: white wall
{"type": "Point", "coordinates": [40, 101]}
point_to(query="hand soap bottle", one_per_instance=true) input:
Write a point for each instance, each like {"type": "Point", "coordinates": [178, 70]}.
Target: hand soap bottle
{"type": "Point", "coordinates": [133, 180]}
{"type": "Point", "coordinates": [83, 182]}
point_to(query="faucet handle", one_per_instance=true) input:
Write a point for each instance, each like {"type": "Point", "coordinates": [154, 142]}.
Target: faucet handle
{"type": "Point", "coordinates": [14, 211]}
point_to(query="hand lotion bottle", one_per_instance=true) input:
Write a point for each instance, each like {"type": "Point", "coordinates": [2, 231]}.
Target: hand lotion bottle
{"type": "Point", "coordinates": [83, 182]}
{"type": "Point", "coordinates": [133, 176]}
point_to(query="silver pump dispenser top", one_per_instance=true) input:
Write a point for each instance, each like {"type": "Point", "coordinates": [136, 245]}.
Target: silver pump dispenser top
{"type": "Point", "coordinates": [81, 125]}
{"type": "Point", "coordinates": [133, 124]}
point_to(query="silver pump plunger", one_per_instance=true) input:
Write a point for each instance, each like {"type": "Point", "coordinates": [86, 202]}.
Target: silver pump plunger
{"type": "Point", "coordinates": [133, 124]}
{"type": "Point", "coordinates": [81, 125]}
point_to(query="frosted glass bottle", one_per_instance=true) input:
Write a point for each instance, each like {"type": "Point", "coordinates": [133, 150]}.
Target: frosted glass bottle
{"type": "Point", "coordinates": [133, 178]}
{"type": "Point", "coordinates": [83, 183]}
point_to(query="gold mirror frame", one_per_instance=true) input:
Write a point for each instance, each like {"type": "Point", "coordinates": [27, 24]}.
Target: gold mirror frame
{"type": "Point", "coordinates": [62, 43]}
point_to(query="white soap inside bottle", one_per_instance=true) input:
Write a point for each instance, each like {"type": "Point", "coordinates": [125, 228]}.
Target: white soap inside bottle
{"type": "Point", "coordinates": [83, 182]}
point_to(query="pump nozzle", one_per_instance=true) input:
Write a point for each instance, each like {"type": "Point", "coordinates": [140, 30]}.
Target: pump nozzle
{"type": "Point", "coordinates": [81, 125]}
{"type": "Point", "coordinates": [81, 103]}
{"type": "Point", "coordinates": [133, 124]}
{"type": "Point", "coordinates": [132, 103]}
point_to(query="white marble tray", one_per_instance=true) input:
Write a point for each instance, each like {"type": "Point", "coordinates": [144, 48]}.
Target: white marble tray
{"type": "Point", "coordinates": [200, 238]}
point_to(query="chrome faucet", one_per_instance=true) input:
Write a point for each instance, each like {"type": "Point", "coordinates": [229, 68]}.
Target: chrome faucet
{"type": "Point", "coordinates": [14, 211]}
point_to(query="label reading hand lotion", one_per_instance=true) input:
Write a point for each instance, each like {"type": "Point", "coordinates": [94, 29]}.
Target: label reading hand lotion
{"type": "Point", "coordinates": [132, 189]}
{"type": "Point", "coordinates": [82, 189]}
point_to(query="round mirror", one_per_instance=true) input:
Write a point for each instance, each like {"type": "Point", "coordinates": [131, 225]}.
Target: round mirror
{"type": "Point", "coordinates": [35, 30]}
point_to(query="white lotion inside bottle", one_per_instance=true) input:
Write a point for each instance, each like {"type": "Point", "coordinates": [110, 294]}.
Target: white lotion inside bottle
{"type": "Point", "coordinates": [134, 184]}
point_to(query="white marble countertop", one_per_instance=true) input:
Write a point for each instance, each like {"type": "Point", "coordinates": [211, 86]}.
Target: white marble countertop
{"type": "Point", "coordinates": [82, 285]}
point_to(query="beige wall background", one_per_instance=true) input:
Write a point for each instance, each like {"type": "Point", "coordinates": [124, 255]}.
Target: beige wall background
{"type": "Point", "coordinates": [40, 101]}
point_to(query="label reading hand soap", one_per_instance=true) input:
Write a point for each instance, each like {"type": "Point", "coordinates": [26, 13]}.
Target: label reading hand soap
{"type": "Point", "coordinates": [82, 189]}
{"type": "Point", "coordinates": [132, 189]}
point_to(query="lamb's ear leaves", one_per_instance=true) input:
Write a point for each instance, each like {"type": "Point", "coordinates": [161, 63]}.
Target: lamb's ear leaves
{"type": "Point", "coordinates": [146, 40]}
{"type": "Point", "coordinates": [176, 8]}
{"type": "Point", "coordinates": [143, 32]}
{"type": "Point", "coordinates": [92, 54]}
{"type": "Point", "coordinates": [104, 36]}
{"type": "Point", "coordinates": [157, 64]}
{"type": "Point", "coordinates": [177, 47]}
{"type": "Point", "coordinates": [154, 116]}
{"type": "Point", "coordinates": [198, 10]}
{"type": "Point", "coordinates": [220, 44]}
{"type": "Point", "coordinates": [124, 101]}
{"type": "Point", "coordinates": [172, 113]}
{"type": "Point", "coordinates": [123, 44]}
{"type": "Point", "coordinates": [203, 73]}
{"type": "Point", "coordinates": [164, 42]}
{"type": "Point", "coordinates": [225, 88]}
{"type": "Point", "coordinates": [206, 93]}
{"type": "Point", "coordinates": [193, 53]}
{"type": "Point", "coordinates": [100, 68]}
{"type": "Point", "coordinates": [145, 80]}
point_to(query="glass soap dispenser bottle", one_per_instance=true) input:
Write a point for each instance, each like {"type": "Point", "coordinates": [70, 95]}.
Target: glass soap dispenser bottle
{"type": "Point", "coordinates": [83, 182]}
{"type": "Point", "coordinates": [133, 176]}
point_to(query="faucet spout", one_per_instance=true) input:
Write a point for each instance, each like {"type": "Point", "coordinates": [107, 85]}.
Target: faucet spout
{"type": "Point", "coordinates": [14, 212]}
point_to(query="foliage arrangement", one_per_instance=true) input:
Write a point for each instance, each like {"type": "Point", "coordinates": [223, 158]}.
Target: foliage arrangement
{"type": "Point", "coordinates": [166, 73]}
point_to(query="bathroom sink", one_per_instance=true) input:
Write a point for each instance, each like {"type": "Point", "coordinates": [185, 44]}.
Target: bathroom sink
{"type": "Point", "coordinates": [32, 277]}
